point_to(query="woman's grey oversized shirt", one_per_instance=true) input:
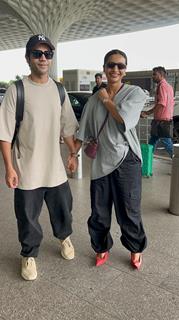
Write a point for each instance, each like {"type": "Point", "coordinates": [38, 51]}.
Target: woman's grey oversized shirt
{"type": "Point", "coordinates": [115, 138]}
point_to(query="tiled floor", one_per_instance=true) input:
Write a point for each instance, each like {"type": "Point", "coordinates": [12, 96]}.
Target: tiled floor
{"type": "Point", "coordinates": [76, 289]}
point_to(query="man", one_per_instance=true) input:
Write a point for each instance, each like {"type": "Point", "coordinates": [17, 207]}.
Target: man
{"type": "Point", "coordinates": [99, 83]}
{"type": "Point", "coordinates": [36, 171]}
{"type": "Point", "coordinates": [162, 110]}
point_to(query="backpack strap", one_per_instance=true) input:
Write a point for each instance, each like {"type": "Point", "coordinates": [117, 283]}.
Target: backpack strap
{"type": "Point", "coordinates": [61, 91]}
{"type": "Point", "coordinates": [19, 108]}
{"type": "Point", "coordinates": [20, 104]}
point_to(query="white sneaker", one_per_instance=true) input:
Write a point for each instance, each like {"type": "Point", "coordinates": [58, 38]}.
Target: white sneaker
{"type": "Point", "coordinates": [28, 268]}
{"type": "Point", "coordinates": [67, 249]}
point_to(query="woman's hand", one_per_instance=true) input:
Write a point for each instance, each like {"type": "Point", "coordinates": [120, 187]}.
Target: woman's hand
{"type": "Point", "coordinates": [103, 95]}
{"type": "Point", "coordinates": [143, 114]}
{"type": "Point", "coordinates": [110, 106]}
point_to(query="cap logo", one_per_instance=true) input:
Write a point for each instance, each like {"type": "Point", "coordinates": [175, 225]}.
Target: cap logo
{"type": "Point", "coordinates": [41, 37]}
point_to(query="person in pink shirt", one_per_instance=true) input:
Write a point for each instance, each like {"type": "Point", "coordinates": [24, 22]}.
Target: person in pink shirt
{"type": "Point", "coordinates": [163, 108]}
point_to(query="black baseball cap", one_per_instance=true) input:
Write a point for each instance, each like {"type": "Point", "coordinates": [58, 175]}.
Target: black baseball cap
{"type": "Point", "coordinates": [38, 39]}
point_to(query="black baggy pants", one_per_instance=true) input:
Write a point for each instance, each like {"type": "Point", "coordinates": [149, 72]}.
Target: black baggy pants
{"type": "Point", "coordinates": [28, 205]}
{"type": "Point", "coordinates": [122, 188]}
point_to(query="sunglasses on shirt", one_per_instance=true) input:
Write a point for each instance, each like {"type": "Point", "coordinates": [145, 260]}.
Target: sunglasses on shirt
{"type": "Point", "coordinates": [111, 65]}
{"type": "Point", "coordinates": [37, 54]}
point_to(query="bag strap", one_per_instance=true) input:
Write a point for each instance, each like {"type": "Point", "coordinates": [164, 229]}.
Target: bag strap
{"type": "Point", "coordinates": [61, 91]}
{"type": "Point", "coordinates": [103, 125]}
{"type": "Point", "coordinates": [19, 108]}
{"type": "Point", "coordinates": [20, 104]}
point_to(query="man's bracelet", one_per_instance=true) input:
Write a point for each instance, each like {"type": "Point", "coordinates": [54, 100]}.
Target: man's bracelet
{"type": "Point", "coordinates": [74, 154]}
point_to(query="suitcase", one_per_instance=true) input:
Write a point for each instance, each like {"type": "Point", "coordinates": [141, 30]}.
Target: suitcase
{"type": "Point", "coordinates": [147, 157]}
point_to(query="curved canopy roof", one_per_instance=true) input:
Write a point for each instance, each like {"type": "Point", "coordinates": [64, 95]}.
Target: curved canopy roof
{"type": "Point", "coordinates": [66, 20]}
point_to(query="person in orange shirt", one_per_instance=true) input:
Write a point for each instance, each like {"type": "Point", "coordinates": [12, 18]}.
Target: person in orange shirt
{"type": "Point", "coordinates": [162, 110]}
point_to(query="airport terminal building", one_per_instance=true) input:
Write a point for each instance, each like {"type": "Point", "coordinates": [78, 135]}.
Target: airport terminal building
{"type": "Point", "coordinates": [83, 80]}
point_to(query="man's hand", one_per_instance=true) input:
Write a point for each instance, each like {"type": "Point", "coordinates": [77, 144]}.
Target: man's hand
{"type": "Point", "coordinates": [143, 114]}
{"type": "Point", "coordinates": [11, 178]}
{"type": "Point", "coordinates": [72, 162]}
{"type": "Point", "coordinates": [11, 175]}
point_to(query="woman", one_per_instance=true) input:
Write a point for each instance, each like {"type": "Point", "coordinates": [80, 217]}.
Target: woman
{"type": "Point", "coordinates": [116, 170]}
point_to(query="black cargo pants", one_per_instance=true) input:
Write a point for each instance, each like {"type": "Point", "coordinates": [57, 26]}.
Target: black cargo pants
{"type": "Point", "coordinates": [122, 188]}
{"type": "Point", "coordinates": [28, 205]}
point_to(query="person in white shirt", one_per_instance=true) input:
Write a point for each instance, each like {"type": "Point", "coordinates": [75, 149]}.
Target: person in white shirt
{"type": "Point", "coordinates": [35, 169]}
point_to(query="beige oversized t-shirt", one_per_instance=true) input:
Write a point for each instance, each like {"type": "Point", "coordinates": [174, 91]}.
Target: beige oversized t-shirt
{"type": "Point", "coordinates": [38, 161]}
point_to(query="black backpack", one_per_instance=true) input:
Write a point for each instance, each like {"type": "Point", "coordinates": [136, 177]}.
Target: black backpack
{"type": "Point", "coordinates": [20, 104]}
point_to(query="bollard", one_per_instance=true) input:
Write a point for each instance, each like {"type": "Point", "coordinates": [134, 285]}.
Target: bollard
{"type": "Point", "coordinates": [174, 186]}
{"type": "Point", "coordinates": [79, 173]}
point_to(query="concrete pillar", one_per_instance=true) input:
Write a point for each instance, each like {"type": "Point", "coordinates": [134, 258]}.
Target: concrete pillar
{"type": "Point", "coordinates": [174, 186]}
{"type": "Point", "coordinates": [54, 75]}
{"type": "Point", "coordinates": [54, 67]}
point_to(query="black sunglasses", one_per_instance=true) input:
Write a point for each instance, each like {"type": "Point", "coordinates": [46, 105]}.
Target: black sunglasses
{"type": "Point", "coordinates": [111, 65]}
{"type": "Point", "coordinates": [37, 54]}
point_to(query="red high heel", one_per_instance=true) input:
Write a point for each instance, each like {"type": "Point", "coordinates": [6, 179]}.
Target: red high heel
{"type": "Point", "coordinates": [136, 263]}
{"type": "Point", "coordinates": [100, 261]}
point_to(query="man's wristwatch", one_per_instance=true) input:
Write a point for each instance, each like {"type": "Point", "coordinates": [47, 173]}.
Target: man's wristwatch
{"type": "Point", "coordinates": [74, 154]}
